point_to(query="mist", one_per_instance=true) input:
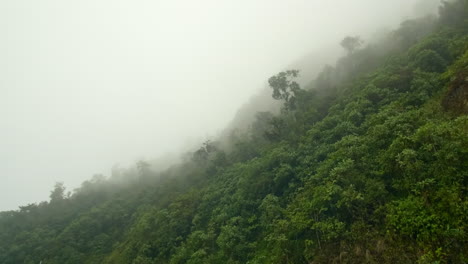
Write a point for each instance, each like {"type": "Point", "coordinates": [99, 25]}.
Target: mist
{"type": "Point", "coordinates": [86, 85]}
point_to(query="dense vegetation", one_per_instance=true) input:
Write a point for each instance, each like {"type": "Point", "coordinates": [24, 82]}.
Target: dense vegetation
{"type": "Point", "coordinates": [367, 164]}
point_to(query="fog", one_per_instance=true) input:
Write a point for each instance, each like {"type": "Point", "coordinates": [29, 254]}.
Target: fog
{"type": "Point", "coordinates": [89, 84]}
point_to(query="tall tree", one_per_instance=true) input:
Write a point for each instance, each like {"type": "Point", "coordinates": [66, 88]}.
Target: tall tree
{"type": "Point", "coordinates": [285, 88]}
{"type": "Point", "coordinates": [351, 44]}
{"type": "Point", "coordinates": [58, 193]}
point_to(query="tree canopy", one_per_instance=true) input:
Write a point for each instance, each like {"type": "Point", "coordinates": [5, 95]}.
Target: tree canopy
{"type": "Point", "coordinates": [351, 44]}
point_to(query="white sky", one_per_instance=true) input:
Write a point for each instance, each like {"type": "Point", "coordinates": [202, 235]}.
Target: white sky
{"type": "Point", "coordinates": [91, 83]}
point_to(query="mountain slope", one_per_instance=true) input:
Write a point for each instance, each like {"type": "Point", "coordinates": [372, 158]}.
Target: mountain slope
{"type": "Point", "coordinates": [370, 165]}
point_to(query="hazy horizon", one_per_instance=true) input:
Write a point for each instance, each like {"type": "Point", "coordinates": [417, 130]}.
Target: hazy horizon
{"type": "Point", "coordinates": [87, 85]}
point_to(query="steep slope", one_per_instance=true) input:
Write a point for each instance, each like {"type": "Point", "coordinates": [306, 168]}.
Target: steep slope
{"type": "Point", "coordinates": [369, 166]}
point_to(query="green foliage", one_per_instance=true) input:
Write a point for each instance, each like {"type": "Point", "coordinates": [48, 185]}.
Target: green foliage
{"type": "Point", "coordinates": [284, 88]}
{"type": "Point", "coordinates": [350, 44]}
{"type": "Point", "coordinates": [430, 61]}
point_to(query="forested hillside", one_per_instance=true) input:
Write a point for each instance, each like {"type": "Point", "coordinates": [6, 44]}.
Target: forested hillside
{"type": "Point", "coordinates": [366, 164]}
